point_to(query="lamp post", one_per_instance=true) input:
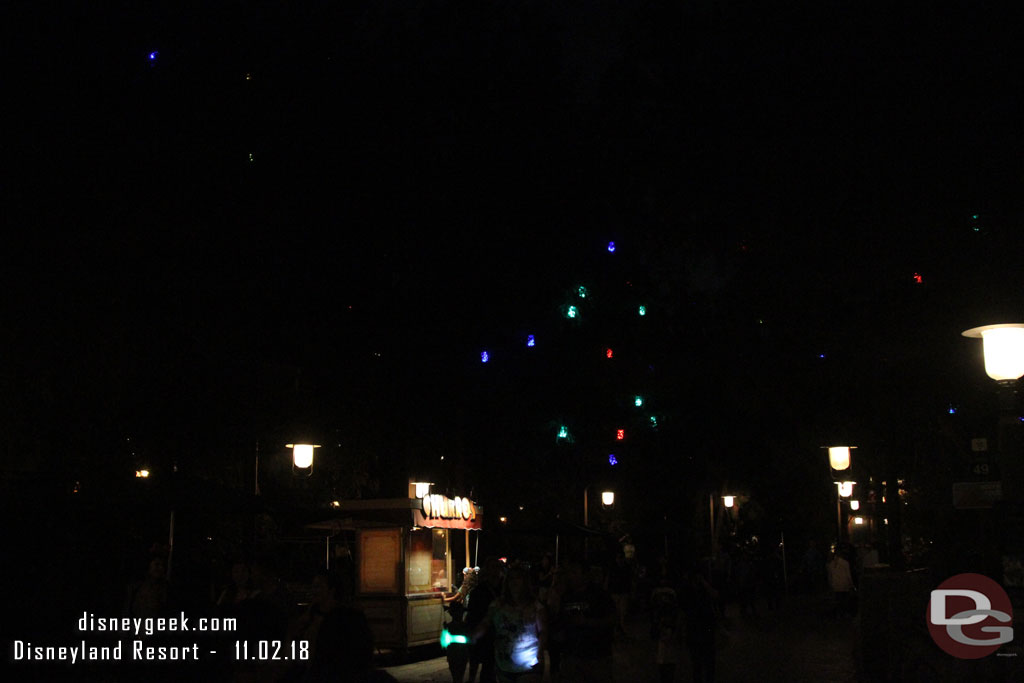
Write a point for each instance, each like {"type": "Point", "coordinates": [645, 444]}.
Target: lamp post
{"type": "Point", "coordinates": [607, 501]}
{"type": "Point", "coordinates": [838, 461]}
{"type": "Point", "coordinates": [1003, 349]}
{"type": "Point", "coordinates": [727, 502]}
{"type": "Point", "coordinates": [845, 490]}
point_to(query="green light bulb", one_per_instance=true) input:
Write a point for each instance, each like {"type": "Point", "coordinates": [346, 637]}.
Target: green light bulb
{"type": "Point", "coordinates": [582, 291]}
{"type": "Point", "coordinates": [571, 312]}
{"type": "Point", "coordinates": [642, 310]}
{"type": "Point", "coordinates": [638, 401]}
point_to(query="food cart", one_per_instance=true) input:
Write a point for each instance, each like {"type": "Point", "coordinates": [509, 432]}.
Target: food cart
{"type": "Point", "coordinates": [403, 560]}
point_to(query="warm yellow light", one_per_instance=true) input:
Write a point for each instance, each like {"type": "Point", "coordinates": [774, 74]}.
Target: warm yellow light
{"type": "Point", "coordinates": [845, 488]}
{"type": "Point", "coordinates": [502, 519]}
{"type": "Point", "coordinates": [729, 500]}
{"type": "Point", "coordinates": [422, 488]}
{"type": "Point", "coordinates": [855, 505]}
{"type": "Point", "coordinates": [839, 457]}
{"type": "Point", "coordinates": [608, 498]}
{"type": "Point", "coordinates": [142, 474]}
{"type": "Point", "coordinates": [858, 520]}
{"type": "Point", "coordinates": [302, 454]}
{"type": "Point", "coordinates": [1004, 349]}
{"type": "Point", "coordinates": [335, 504]}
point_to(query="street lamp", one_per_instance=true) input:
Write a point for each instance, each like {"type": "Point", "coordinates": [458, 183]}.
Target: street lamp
{"type": "Point", "coordinates": [1003, 349]}
{"type": "Point", "coordinates": [1003, 346]}
{"type": "Point", "coordinates": [839, 457]}
{"type": "Point", "coordinates": [845, 490]}
{"type": "Point", "coordinates": [302, 456]}
{"type": "Point", "coordinates": [728, 502]}
{"type": "Point", "coordinates": [855, 505]}
{"type": "Point", "coordinates": [607, 501]}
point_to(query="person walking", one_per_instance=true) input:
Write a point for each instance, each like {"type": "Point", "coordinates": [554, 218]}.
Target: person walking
{"type": "Point", "coordinates": [699, 604]}
{"type": "Point", "coordinates": [841, 582]}
{"type": "Point", "coordinates": [588, 616]}
{"type": "Point", "coordinates": [620, 585]}
{"type": "Point", "coordinates": [518, 623]}
{"type": "Point", "coordinates": [478, 604]}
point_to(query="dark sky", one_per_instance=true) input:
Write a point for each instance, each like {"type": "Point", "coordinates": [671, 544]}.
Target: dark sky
{"type": "Point", "coordinates": [431, 178]}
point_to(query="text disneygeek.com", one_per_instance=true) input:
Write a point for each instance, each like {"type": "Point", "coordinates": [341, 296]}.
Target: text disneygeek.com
{"type": "Point", "coordinates": [137, 649]}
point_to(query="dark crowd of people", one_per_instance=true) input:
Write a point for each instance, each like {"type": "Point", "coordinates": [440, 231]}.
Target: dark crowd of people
{"type": "Point", "coordinates": [521, 620]}
{"type": "Point", "coordinates": [519, 615]}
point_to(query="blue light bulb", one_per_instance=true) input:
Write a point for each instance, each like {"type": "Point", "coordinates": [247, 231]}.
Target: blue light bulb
{"type": "Point", "coordinates": [484, 357]}
{"type": "Point", "coordinates": [530, 341]}
{"type": "Point", "coordinates": [152, 56]}
{"type": "Point", "coordinates": [612, 460]}
{"type": "Point", "coordinates": [611, 246]}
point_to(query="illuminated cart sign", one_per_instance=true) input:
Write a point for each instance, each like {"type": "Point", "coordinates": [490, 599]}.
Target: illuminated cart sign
{"type": "Point", "coordinates": [434, 510]}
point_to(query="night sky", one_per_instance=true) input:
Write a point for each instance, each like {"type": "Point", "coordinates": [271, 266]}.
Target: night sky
{"type": "Point", "coordinates": [230, 223]}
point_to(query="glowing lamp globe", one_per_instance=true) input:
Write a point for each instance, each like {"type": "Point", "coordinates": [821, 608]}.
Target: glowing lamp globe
{"type": "Point", "coordinates": [855, 505]}
{"type": "Point", "coordinates": [845, 488]}
{"type": "Point", "coordinates": [302, 454]}
{"type": "Point", "coordinates": [839, 457]}
{"type": "Point", "coordinates": [1004, 349]}
{"type": "Point", "coordinates": [729, 501]}
{"type": "Point", "coordinates": [608, 498]}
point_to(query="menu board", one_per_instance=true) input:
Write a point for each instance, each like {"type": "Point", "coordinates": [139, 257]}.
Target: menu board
{"type": "Point", "coordinates": [379, 553]}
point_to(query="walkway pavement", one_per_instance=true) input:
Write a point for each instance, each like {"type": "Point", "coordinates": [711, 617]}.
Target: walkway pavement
{"type": "Point", "coordinates": [798, 642]}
